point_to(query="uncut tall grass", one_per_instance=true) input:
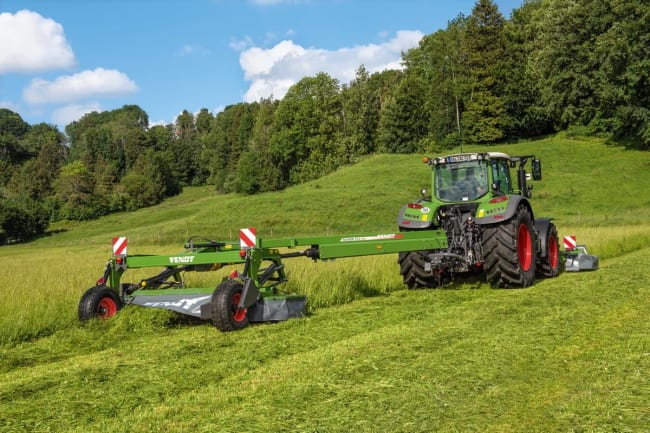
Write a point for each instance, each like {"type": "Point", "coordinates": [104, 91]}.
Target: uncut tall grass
{"type": "Point", "coordinates": [597, 192]}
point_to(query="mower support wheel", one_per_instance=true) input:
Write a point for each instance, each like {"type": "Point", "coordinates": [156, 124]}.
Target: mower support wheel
{"type": "Point", "coordinates": [99, 302]}
{"type": "Point", "coordinates": [226, 314]}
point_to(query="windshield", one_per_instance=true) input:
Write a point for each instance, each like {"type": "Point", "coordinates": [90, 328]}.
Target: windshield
{"type": "Point", "coordinates": [463, 181]}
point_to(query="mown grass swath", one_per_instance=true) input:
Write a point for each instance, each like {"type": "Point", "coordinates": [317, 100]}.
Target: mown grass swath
{"type": "Point", "coordinates": [568, 354]}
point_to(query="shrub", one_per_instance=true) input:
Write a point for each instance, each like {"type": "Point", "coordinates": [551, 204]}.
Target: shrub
{"type": "Point", "coordinates": [22, 218]}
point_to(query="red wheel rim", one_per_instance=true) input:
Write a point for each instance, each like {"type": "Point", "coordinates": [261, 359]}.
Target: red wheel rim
{"type": "Point", "coordinates": [552, 252]}
{"type": "Point", "coordinates": [524, 248]}
{"type": "Point", "coordinates": [238, 314]}
{"type": "Point", "coordinates": [106, 308]}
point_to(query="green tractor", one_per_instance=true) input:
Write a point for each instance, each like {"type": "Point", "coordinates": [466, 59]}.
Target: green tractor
{"type": "Point", "coordinates": [489, 223]}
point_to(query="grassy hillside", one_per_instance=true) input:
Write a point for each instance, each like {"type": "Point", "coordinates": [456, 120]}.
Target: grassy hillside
{"type": "Point", "coordinates": [568, 354]}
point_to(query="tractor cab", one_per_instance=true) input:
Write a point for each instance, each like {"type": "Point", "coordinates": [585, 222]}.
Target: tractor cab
{"type": "Point", "coordinates": [461, 181]}
{"type": "Point", "coordinates": [470, 176]}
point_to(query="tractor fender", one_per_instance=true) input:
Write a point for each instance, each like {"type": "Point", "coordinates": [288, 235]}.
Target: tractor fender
{"type": "Point", "coordinates": [415, 219]}
{"type": "Point", "coordinates": [511, 209]}
{"type": "Point", "coordinates": [542, 226]}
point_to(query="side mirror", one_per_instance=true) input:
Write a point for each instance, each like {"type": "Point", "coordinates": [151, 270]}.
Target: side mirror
{"type": "Point", "coordinates": [537, 169]}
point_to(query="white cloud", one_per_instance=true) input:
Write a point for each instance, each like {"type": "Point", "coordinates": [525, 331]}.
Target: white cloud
{"type": "Point", "coordinates": [272, 71]}
{"type": "Point", "coordinates": [259, 62]}
{"type": "Point", "coordinates": [70, 113]}
{"type": "Point", "coordinates": [32, 43]}
{"type": "Point", "coordinates": [84, 85]}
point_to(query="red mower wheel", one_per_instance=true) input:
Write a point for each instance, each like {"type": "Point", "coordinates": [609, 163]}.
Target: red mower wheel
{"type": "Point", "coordinates": [239, 314]}
{"type": "Point", "coordinates": [106, 308]}
{"type": "Point", "coordinates": [99, 302]}
{"type": "Point", "coordinates": [226, 314]}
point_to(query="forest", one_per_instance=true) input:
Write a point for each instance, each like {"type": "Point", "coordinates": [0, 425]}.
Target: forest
{"type": "Point", "coordinates": [578, 66]}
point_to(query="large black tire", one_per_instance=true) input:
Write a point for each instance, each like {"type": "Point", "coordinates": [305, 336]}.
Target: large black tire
{"type": "Point", "coordinates": [226, 314]}
{"type": "Point", "coordinates": [411, 267]}
{"type": "Point", "coordinates": [551, 265]}
{"type": "Point", "coordinates": [99, 302]}
{"type": "Point", "coordinates": [509, 251]}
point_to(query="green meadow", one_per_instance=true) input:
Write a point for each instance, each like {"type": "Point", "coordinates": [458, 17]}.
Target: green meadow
{"type": "Point", "coordinates": [569, 354]}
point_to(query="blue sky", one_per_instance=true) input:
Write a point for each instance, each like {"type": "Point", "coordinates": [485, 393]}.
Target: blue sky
{"type": "Point", "coordinates": [60, 59]}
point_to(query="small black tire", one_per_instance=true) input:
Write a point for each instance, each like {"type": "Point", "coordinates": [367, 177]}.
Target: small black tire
{"type": "Point", "coordinates": [510, 255]}
{"type": "Point", "coordinates": [226, 314]}
{"type": "Point", "coordinates": [99, 302]}
{"type": "Point", "coordinates": [414, 275]}
{"type": "Point", "coordinates": [550, 266]}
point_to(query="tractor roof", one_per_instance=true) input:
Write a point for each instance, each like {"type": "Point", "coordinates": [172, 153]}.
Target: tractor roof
{"type": "Point", "coordinates": [498, 155]}
{"type": "Point", "coordinates": [491, 155]}
{"type": "Point", "coordinates": [460, 157]}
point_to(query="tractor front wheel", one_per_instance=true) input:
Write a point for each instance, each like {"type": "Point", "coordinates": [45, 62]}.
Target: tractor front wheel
{"type": "Point", "coordinates": [226, 314]}
{"type": "Point", "coordinates": [99, 302]}
{"type": "Point", "coordinates": [414, 275]}
{"type": "Point", "coordinates": [509, 251]}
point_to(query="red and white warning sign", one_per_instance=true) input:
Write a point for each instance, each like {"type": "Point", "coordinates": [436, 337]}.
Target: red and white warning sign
{"type": "Point", "coordinates": [119, 246]}
{"type": "Point", "coordinates": [569, 242]}
{"type": "Point", "coordinates": [247, 238]}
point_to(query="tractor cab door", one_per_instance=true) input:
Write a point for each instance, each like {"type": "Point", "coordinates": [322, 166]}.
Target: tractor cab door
{"type": "Point", "coordinates": [501, 182]}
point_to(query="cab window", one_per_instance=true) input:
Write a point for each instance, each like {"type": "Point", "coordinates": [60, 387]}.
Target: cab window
{"type": "Point", "coordinates": [465, 181]}
{"type": "Point", "coordinates": [501, 175]}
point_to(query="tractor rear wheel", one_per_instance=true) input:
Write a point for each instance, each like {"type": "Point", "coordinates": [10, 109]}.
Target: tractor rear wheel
{"type": "Point", "coordinates": [550, 266]}
{"type": "Point", "coordinates": [99, 302]}
{"type": "Point", "coordinates": [226, 314]}
{"type": "Point", "coordinates": [411, 267]}
{"type": "Point", "coordinates": [509, 251]}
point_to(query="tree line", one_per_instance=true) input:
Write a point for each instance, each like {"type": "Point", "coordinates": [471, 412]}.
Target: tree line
{"type": "Point", "coordinates": [581, 66]}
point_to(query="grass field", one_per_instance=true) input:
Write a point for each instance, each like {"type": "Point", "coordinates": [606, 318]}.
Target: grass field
{"type": "Point", "coordinates": [569, 354]}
